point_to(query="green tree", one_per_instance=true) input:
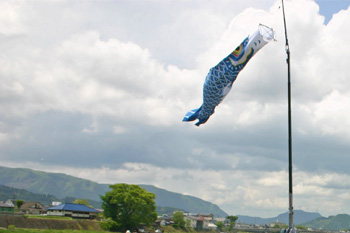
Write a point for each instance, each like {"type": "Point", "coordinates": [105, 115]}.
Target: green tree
{"type": "Point", "coordinates": [178, 218]}
{"type": "Point", "coordinates": [220, 225]}
{"type": "Point", "coordinates": [19, 203]}
{"type": "Point", "coordinates": [82, 201]}
{"type": "Point", "coordinates": [300, 227]}
{"type": "Point", "coordinates": [232, 220]}
{"type": "Point", "coordinates": [127, 206]}
{"type": "Point", "coordinates": [188, 223]}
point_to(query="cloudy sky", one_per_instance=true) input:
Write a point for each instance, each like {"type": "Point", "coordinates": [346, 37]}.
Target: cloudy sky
{"type": "Point", "coordinates": [98, 90]}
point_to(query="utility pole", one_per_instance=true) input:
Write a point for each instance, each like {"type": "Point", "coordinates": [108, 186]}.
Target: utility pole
{"type": "Point", "coordinates": [290, 157]}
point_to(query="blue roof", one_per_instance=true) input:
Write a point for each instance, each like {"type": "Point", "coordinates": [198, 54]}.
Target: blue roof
{"type": "Point", "coordinates": [74, 207]}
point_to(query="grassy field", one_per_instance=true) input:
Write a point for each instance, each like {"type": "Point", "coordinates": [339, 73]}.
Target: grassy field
{"type": "Point", "coordinates": [47, 217]}
{"type": "Point", "coordinates": [21, 230]}
{"type": "Point", "coordinates": [53, 224]}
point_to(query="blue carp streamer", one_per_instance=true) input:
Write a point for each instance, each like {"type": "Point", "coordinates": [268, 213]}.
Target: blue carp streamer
{"type": "Point", "coordinates": [220, 78]}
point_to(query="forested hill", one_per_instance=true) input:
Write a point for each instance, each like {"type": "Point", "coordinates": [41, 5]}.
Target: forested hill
{"type": "Point", "coordinates": [7, 193]}
{"type": "Point", "coordinates": [313, 220]}
{"type": "Point", "coordinates": [184, 201]}
{"type": "Point", "coordinates": [335, 223]}
{"type": "Point", "coordinates": [299, 218]}
{"type": "Point", "coordinates": [62, 186]}
{"type": "Point", "coordinates": [57, 184]}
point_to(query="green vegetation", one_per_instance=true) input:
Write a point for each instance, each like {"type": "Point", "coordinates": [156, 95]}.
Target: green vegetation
{"type": "Point", "coordinates": [48, 223]}
{"type": "Point", "coordinates": [178, 218]}
{"type": "Point", "coordinates": [220, 225]}
{"type": "Point", "coordinates": [13, 193]}
{"type": "Point", "coordinates": [19, 203]}
{"type": "Point", "coordinates": [337, 222]}
{"type": "Point", "coordinates": [60, 185]}
{"type": "Point", "coordinates": [82, 201]}
{"type": "Point", "coordinates": [167, 210]}
{"type": "Point", "coordinates": [232, 220]}
{"type": "Point", "coordinates": [47, 217]}
{"type": "Point", "coordinates": [45, 199]}
{"type": "Point", "coordinates": [300, 227]}
{"type": "Point", "coordinates": [184, 202]}
{"type": "Point", "coordinates": [128, 206]}
{"type": "Point", "coordinates": [22, 230]}
{"type": "Point", "coordinates": [68, 188]}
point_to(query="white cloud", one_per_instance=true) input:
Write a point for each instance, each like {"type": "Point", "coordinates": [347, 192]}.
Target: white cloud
{"type": "Point", "coordinates": [11, 18]}
{"type": "Point", "coordinates": [118, 86]}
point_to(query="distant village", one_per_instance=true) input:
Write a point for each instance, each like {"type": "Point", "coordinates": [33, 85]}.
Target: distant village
{"type": "Point", "coordinates": [198, 221]}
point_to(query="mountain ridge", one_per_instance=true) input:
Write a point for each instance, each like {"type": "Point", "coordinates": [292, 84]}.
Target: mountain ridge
{"type": "Point", "coordinates": [61, 186]}
{"type": "Point", "coordinates": [27, 196]}
{"type": "Point", "coordinates": [335, 223]}
{"type": "Point", "coordinates": [24, 182]}
{"type": "Point", "coordinates": [300, 217]}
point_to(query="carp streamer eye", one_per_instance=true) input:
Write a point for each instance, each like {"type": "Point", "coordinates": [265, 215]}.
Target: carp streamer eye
{"type": "Point", "coordinates": [238, 51]}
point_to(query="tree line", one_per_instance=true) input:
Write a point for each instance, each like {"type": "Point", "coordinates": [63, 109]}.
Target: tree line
{"type": "Point", "coordinates": [125, 207]}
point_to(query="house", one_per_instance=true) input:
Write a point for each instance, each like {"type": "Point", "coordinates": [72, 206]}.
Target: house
{"type": "Point", "coordinates": [194, 222]}
{"type": "Point", "coordinates": [240, 225]}
{"type": "Point", "coordinates": [32, 208]}
{"type": "Point", "coordinates": [7, 207]}
{"type": "Point", "coordinates": [73, 210]}
{"type": "Point", "coordinates": [211, 226]}
{"type": "Point", "coordinates": [200, 221]}
{"type": "Point", "coordinates": [56, 203]}
{"type": "Point", "coordinates": [164, 220]}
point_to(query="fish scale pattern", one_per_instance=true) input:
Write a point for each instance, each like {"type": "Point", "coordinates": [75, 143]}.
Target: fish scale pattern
{"type": "Point", "coordinates": [217, 85]}
{"type": "Point", "coordinates": [220, 78]}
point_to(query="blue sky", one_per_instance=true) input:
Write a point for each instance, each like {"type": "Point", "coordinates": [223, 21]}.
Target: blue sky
{"type": "Point", "coordinates": [329, 7]}
{"type": "Point", "coordinates": [98, 90]}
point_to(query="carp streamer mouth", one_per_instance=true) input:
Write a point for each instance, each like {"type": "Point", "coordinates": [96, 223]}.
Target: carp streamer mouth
{"type": "Point", "coordinates": [267, 33]}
